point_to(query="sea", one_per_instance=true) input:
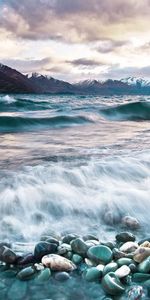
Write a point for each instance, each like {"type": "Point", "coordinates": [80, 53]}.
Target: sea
{"type": "Point", "coordinates": [67, 162]}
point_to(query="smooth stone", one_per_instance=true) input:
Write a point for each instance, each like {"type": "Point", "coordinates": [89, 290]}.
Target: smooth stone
{"type": "Point", "coordinates": [8, 256]}
{"type": "Point", "coordinates": [129, 247]}
{"type": "Point", "coordinates": [91, 243]}
{"type": "Point", "coordinates": [52, 240]}
{"type": "Point", "coordinates": [123, 271]}
{"type": "Point", "coordinates": [138, 277]}
{"type": "Point", "coordinates": [79, 247]}
{"type": "Point", "coordinates": [136, 293]}
{"type": "Point", "coordinates": [88, 237]}
{"type": "Point", "coordinates": [112, 285]}
{"type": "Point", "coordinates": [68, 238]}
{"type": "Point", "coordinates": [117, 254]}
{"type": "Point", "coordinates": [63, 249]}
{"type": "Point", "coordinates": [62, 276]}
{"type": "Point", "coordinates": [145, 244]}
{"type": "Point", "coordinates": [100, 254]}
{"type": "Point", "coordinates": [133, 267]}
{"type": "Point", "coordinates": [90, 263]}
{"type": "Point", "coordinates": [38, 267]}
{"type": "Point", "coordinates": [43, 276]}
{"type": "Point", "coordinates": [124, 261]}
{"type": "Point", "coordinates": [17, 291]}
{"type": "Point", "coordinates": [144, 266]}
{"type": "Point", "coordinates": [69, 255]}
{"type": "Point", "coordinates": [147, 239]}
{"type": "Point", "coordinates": [110, 245]}
{"type": "Point", "coordinates": [141, 254]}
{"type": "Point", "coordinates": [27, 259]}
{"type": "Point", "coordinates": [26, 273]}
{"type": "Point", "coordinates": [125, 237]}
{"type": "Point", "coordinates": [44, 248]}
{"type": "Point", "coordinates": [130, 222]}
{"type": "Point", "coordinates": [111, 218]}
{"type": "Point", "coordinates": [76, 259]}
{"type": "Point", "coordinates": [111, 267]}
{"type": "Point", "coordinates": [58, 263]}
{"type": "Point", "coordinates": [93, 274]}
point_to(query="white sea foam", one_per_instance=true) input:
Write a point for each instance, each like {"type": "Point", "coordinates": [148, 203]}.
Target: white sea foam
{"type": "Point", "coordinates": [7, 99]}
{"type": "Point", "coordinates": [61, 198]}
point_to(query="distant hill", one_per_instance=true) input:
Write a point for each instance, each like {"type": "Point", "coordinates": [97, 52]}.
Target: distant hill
{"type": "Point", "coordinates": [12, 81]}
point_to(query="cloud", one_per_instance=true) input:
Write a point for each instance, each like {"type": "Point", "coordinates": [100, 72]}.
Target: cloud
{"type": "Point", "coordinates": [27, 66]}
{"type": "Point", "coordinates": [73, 21]}
{"type": "Point", "coordinates": [86, 62]}
{"type": "Point", "coordinates": [115, 72]}
{"type": "Point", "coordinates": [108, 46]}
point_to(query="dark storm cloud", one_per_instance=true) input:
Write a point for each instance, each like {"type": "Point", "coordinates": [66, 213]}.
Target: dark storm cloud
{"type": "Point", "coordinates": [78, 20]}
{"type": "Point", "coordinates": [85, 62]}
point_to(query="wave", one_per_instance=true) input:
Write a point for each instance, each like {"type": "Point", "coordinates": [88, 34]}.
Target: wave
{"type": "Point", "coordinates": [18, 122]}
{"type": "Point", "coordinates": [135, 111]}
{"type": "Point", "coordinates": [58, 196]}
{"type": "Point", "coordinates": [7, 99]}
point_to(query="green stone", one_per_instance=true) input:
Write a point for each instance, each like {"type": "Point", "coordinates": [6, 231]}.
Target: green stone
{"type": "Point", "coordinates": [111, 267]}
{"type": "Point", "coordinates": [76, 259]}
{"type": "Point", "coordinates": [144, 266]}
{"type": "Point", "coordinates": [43, 276]}
{"type": "Point", "coordinates": [26, 273]}
{"type": "Point", "coordinates": [124, 261]}
{"type": "Point", "coordinates": [93, 274]}
{"type": "Point", "coordinates": [100, 254]}
{"type": "Point", "coordinates": [17, 291]}
{"type": "Point", "coordinates": [139, 277]}
{"type": "Point", "coordinates": [79, 247]}
{"type": "Point", "coordinates": [112, 285]}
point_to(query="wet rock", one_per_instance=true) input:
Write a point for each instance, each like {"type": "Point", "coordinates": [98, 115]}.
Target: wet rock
{"type": "Point", "coordinates": [58, 263]}
{"type": "Point", "coordinates": [93, 274]}
{"type": "Point", "coordinates": [8, 256]}
{"type": "Point", "coordinates": [123, 271]}
{"type": "Point", "coordinates": [52, 240]}
{"type": "Point", "coordinates": [136, 293]}
{"type": "Point", "coordinates": [100, 254]}
{"type": "Point", "coordinates": [43, 248]}
{"type": "Point", "coordinates": [147, 239]}
{"type": "Point", "coordinates": [125, 237]}
{"type": "Point", "coordinates": [43, 276]}
{"type": "Point", "coordinates": [62, 276]}
{"type": "Point", "coordinates": [117, 254]}
{"type": "Point", "coordinates": [90, 237]}
{"type": "Point", "coordinates": [133, 267]}
{"type": "Point", "coordinates": [129, 247]}
{"type": "Point", "coordinates": [68, 238]}
{"type": "Point", "coordinates": [110, 245]}
{"type": "Point", "coordinates": [17, 291]}
{"type": "Point", "coordinates": [26, 273]}
{"type": "Point", "coordinates": [131, 222]}
{"type": "Point", "coordinates": [141, 253]}
{"type": "Point", "coordinates": [145, 244]}
{"type": "Point", "coordinates": [79, 247]}
{"type": "Point", "coordinates": [112, 285]}
{"type": "Point", "coordinates": [90, 263]}
{"type": "Point", "coordinates": [63, 249]}
{"type": "Point", "coordinates": [38, 267]}
{"type": "Point", "coordinates": [91, 243]}
{"type": "Point", "coordinates": [76, 259]}
{"type": "Point", "coordinates": [111, 267]}
{"type": "Point", "coordinates": [139, 277]}
{"type": "Point", "coordinates": [144, 266]}
{"type": "Point", "coordinates": [124, 261]}
{"type": "Point", "coordinates": [26, 260]}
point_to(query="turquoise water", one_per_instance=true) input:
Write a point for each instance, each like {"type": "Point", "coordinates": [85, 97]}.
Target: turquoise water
{"type": "Point", "coordinates": [66, 158]}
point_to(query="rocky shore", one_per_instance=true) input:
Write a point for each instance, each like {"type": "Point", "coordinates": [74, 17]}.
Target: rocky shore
{"type": "Point", "coordinates": [118, 269]}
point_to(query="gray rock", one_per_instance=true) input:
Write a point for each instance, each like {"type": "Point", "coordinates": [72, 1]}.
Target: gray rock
{"type": "Point", "coordinates": [125, 237]}
{"type": "Point", "coordinates": [26, 273]}
{"type": "Point", "coordinates": [44, 248]}
{"type": "Point", "coordinates": [79, 247]}
{"type": "Point", "coordinates": [62, 276]}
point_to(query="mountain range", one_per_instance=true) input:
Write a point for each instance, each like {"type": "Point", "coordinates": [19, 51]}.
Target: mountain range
{"type": "Point", "coordinates": [12, 81]}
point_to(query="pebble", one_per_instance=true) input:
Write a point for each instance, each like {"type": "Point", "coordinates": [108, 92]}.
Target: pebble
{"type": "Point", "coordinates": [27, 259]}
{"type": "Point", "coordinates": [129, 247]}
{"type": "Point", "coordinates": [93, 274]}
{"type": "Point", "coordinates": [112, 285]}
{"type": "Point", "coordinates": [124, 261]}
{"type": "Point", "coordinates": [136, 293]}
{"type": "Point", "coordinates": [125, 237]}
{"type": "Point", "coordinates": [43, 276]}
{"type": "Point", "coordinates": [123, 271]}
{"type": "Point", "coordinates": [68, 238]}
{"type": "Point", "coordinates": [58, 263]}
{"type": "Point", "coordinates": [8, 256]}
{"type": "Point", "coordinates": [26, 273]}
{"type": "Point", "coordinates": [62, 276]}
{"type": "Point", "coordinates": [100, 254]}
{"type": "Point", "coordinates": [43, 248]}
{"type": "Point", "coordinates": [79, 247]}
{"type": "Point", "coordinates": [111, 267]}
{"type": "Point", "coordinates": [131, 222]}
{"type": "Point", "coordinates": [141, 253]}
{"type": "Point", "coordinates": [76, 259]}
{"type": "Point", "coordinates": [144, 266]}
{"type": "Point", "coordinates": [88, 237]}
{"type": "Point", "coordinates": [63, 249]}
{"type": "Point", "coordinates": [139, 277]}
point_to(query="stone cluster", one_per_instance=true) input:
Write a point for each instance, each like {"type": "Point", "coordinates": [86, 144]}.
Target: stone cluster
{"type": "Point", "coordinates": [120, 267]}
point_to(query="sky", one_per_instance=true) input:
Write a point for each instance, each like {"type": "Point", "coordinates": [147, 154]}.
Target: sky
{"type": "Point", "coordinates": [76, 40]}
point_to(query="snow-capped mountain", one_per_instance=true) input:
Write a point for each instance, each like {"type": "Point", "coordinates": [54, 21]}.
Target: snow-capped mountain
{"type": "Point", "coordinates": [135, 81]}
